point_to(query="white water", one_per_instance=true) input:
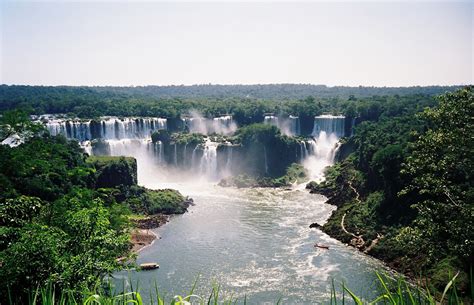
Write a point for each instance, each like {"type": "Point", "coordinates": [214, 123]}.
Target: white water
{"type": "Point", "coordinates": [221, 125]}
{"type": "Point", "coordinates": [228, 164]}
{"type": "Point", "coordinates": [209, 160]}
{"type": "Point", "coordinates": [330, 124]}
{"type": "Point", "coordinates": [107, 128]}
{"type": "Point", "coordinates": [327, 131]}
{"type": "Point", "coordinates": [288, 126]}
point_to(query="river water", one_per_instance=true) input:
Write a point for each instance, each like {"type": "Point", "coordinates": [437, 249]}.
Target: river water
{"type": "Point", "coordinates": [252, 242]}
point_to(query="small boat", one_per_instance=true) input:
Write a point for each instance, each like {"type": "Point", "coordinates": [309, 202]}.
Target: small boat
{"type": "Point", "coordinates": [321, 246]}
{"type": "Point", "coordinates": [149, 266]}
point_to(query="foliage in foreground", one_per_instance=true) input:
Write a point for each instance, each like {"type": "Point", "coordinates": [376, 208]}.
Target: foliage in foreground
{"type": "Point", "coordinates": [391, 292]}
{"type": "Point", "coordinates": [63, 217]}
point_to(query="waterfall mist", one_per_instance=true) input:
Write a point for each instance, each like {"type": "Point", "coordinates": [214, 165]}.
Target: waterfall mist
{"type": "Point", "coordinates": [196, 123]}
{"type": "Point", "coordinates": [289, 126]}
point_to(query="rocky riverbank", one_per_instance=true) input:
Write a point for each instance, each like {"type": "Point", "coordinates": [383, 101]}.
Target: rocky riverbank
{"type": "Point", "coordinates": [150, 222]}
{"type": "Point", "coordinates": [142, 238]}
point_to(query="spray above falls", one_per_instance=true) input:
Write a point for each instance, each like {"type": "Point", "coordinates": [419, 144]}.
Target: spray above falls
{"type": "Point", "coordinates": [289, 126]}
{"type": "Point", "coordinates": [196, 123]}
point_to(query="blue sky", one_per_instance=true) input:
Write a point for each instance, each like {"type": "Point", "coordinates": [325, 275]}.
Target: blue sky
{"type": "Point", "coordinates": [132, 43]}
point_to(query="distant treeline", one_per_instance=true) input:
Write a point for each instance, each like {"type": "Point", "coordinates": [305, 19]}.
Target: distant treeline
{"type": "Point", "coordinates": [271, 91]}
{"type": "Point", "coordinates": [247, 103]}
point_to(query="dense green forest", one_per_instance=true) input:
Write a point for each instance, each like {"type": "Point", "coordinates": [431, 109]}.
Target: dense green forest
{"type": "Point", "coordinates": [405, 192]}
{"type": "Point", "coordinates": [64, 216]}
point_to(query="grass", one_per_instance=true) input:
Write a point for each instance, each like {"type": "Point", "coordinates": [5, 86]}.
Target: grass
{"type": "Point", "coordinates": [392, 292]}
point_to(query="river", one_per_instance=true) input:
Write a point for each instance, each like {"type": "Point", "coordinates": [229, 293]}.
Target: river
{"type": "Point", "coordinates": [252, 242]}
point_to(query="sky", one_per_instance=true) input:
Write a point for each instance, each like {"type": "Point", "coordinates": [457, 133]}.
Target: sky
{"type": "Point", "coordinates": [126, 43]}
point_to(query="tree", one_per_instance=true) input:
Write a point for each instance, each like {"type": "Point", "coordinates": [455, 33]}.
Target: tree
{"type": "Point", "coordinates": [17, 125]}
{"type": "Point", "coordinates": [441, 168]}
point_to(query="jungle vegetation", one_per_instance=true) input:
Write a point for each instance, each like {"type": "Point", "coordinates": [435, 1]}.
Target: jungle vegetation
{"type": "Point", "coordinates": [64, 217]}
{"type": "Point", "coordinates": [407, 183]}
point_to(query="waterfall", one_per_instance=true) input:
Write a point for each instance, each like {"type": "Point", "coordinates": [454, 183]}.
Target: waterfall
{"type": "Point", "coordinates": [228, 164]}
{"type": "Point", "coordinates": [185, 159]}
{"type": "Point", "coordinates": [106, 128]}
{"type": "Point", "coordinates": [327, 131]}
{"type": "Point", "coordinates": [330, 124]}
{"type": "Point", "coordinates": [87, 147]}
{"type": "Point", "coordinates": [224, 125]}
{"type": "Point", "coordinates": [304, 152]}
{"type": "Point", "coordinates": [270, 119]}
{"type": "Point", "coordinates": [193, 157]}
{"type": "Point", "coordinates": [221, 125]}
{"type": "Point", "coordinates": [157, 149]}
{"type": "Point", "coordinates": [161, 158]}
{"type": "Point", "coordinates": [295, 127]}
{"type": "Point", "coordinates": [288, 126]}
{"type": "Point", "coordinates": [175, 157]}
{"type": "Point", "coordinates": [195, 125]}
{"type": "Point", "coordinates": [209, 160]}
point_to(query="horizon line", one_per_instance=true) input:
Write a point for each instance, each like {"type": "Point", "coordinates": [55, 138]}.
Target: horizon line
{"type": "Point", "coordinates": [240, 84]}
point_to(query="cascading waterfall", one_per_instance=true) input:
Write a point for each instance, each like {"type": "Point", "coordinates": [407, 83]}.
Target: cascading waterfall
{"type": "Point", "coordinates": [288, 126]}
{"type": "Point", "coordinates": [118, 137]}
{"type": "Point", "coordinates": [175, 155]}
{"type": "Point", "coordinates": [157, 149]}
{"type": "Point", "coordinates": [195, 125]}
{"type": "Point", "coordinates": [330, 124]}
{"type": "Point", "coordinates": [161, 158]}
{"type": "Point", "coordinates": [224, 125]}
{"type": "Point", "coordinates": [185, 159]}
{"type": "Point", "coordinates": [270, 119]}
{"type": "Point", "coordinates": [76, 129]}
{"type": "Point", "coordinates": [221, 125]}
{"type": "Point", "coordinates": [131, 137]}
{"type": "Point", "coordinates": [304, 151]}
{"type": "Point", "coordinates": [295, 128]}
{"type": "Point", "coordinates": [106, 128]}
{"type": "Point", "coordinates": [208, 166]}
{"type": "Point", "coordinates": [193, 158]}
{"type": "Point", "coordinates": [228, 164]}
{"type": "Point", "coordinates": [327, 131]}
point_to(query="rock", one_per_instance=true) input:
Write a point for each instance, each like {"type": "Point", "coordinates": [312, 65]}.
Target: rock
{"type": "Point", "coordinates": [151, 222]}
{"type": "Point", "coordinates": [189, 201]}
{"type": "Point", "coordinates": [315, 225]}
